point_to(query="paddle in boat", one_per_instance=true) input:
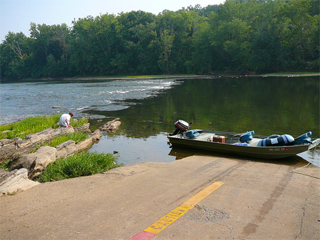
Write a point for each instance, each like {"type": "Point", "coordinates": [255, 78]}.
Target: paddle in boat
{"type": "Point", "coordinates": [245, 144]}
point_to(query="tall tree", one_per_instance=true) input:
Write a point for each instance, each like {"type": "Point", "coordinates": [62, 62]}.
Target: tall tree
{"type": "Point", "coordinates": [46, 43]}
{"type": "Point", "coordinates": [135, 31]}
{"type": "Point", "coordinates": [301, 35]}
{"type": "Point", "coordinates": [61, 33]}
{"type": "Point", "coordinates": [166, 42]}
{"type": "Point", "coordinates": [15, 52]}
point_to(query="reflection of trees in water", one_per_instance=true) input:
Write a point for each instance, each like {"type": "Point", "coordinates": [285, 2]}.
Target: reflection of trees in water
{"type": "Point", "coordinates": [266, 105]}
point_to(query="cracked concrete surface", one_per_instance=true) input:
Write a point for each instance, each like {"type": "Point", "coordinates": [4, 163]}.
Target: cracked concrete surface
{"type": "Point", "coordinates": [259, 200]}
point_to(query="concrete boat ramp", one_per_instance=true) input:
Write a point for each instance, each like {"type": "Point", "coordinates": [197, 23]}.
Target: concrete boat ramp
{"type": "Point", "coordinates": [199, 197]}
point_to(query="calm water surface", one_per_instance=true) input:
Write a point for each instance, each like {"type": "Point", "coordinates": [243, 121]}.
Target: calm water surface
{"type": "Point", "coordinates": [149, 108]}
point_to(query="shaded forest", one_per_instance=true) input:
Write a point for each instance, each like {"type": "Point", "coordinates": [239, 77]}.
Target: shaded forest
{"type": "Point", "coordinates": [239, 36]}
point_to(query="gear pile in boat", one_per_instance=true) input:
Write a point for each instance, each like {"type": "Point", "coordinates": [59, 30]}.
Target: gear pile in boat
{"type": "Point", "coordinates": [277, 140]}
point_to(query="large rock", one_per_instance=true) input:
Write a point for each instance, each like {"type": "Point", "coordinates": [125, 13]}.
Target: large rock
{"type": "Point", "coordinates": [66, 148]}
{"type": "Point", "coordinates": [95, 137]}
{"type": "Point", "coordinates": [111, 126]}
{"type": "Point", "coordinates": [48, 134]}
{"type": "Point", "coordinates": [36, 162]}
{"type": "Point", "coordinates": [69, 147]}
{"type": "Point", "coordinates": [7, 152]}
{"type": "Point", "coordinates": [8, 148]}
{"type": "Point", "coordinates": [5, 142]}
{"type": "Point", "coordinates": [84, 128]}
{"type": "Point", "coordinates": [15, 181]}
{"type": "Point", "coordinates": [44, 156]}
{"type": "Point", "coordinates": [12, 148]}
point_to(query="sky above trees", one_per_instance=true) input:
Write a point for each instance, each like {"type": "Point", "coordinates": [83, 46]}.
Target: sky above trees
{"type": "Point", "coordinates": [16, 15]}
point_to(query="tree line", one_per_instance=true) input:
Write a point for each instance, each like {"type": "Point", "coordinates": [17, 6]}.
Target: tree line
{"type": "Point", "coordinates": [243, 36]}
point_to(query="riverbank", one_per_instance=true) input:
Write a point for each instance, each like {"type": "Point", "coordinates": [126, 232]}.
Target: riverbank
{"type": "Point", "coordinates": [190, 76]}
{"type": "Point", "coordinates": [123, 202]}
{"type": "Point", "coordinates": [176, 76]}
{"type": "Point", "coordinates": [290, 74]}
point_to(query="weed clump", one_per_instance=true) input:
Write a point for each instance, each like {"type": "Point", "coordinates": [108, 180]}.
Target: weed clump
{"type": "Point", "coordinates": [78, 165]}
{"type": "Point", "coordinates": [4, 165]}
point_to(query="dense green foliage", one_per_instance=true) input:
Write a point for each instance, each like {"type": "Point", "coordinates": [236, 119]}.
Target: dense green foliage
{"type": "Point", "coordinates": [80, 164]}
{"type": "Point", "coordinates": [239, 35]}
{"type": "Point", "coordinates": [33, 125]}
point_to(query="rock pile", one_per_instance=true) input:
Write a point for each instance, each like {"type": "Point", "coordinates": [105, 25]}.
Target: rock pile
{"type": "Point", "coordinates": [15, 181]}
{"type": "Point", "coordinates": [24, 166]}
{"type": "Point", "coordinates": [10, 148]}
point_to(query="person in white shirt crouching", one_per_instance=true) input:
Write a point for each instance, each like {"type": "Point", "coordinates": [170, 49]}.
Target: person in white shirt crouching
{"type": "Point", "coordinates": [65, 119]}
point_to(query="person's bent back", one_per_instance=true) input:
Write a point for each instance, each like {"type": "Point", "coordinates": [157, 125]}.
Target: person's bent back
{"type": "Point", "coordinates": [65, 119]}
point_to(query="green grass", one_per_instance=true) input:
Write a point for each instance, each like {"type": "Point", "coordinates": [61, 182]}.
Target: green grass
{"type": "Point", "coordinates": [75, 136]}
{"type": "Point", "coordinates": [33, 125]}
{"type": "Point", "coordinates": [4, 165]}
{"type": "Point", "coordinates": [80, 164]}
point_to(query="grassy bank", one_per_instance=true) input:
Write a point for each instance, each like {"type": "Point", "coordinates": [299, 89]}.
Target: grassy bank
{"type": "Point", "coordinates": [78, 165]}
{"type": "Point", "coordinates": [33, 125]}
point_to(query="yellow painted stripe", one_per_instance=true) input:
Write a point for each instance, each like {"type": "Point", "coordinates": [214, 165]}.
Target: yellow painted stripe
{"type": "Point", "coordinates": [165, 221]}
{"type": "Point", "coordinates": [203, 194]}
{"type": "Point", "coordinates": [178, 212]}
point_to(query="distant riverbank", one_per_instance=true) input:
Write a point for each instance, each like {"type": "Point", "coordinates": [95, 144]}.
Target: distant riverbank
{"type": "Point", "coordinates": [176, 76]}
{"type": "Point", "coordinates": [290, 74]}
{"type": "Point", "coordinates": [192, 76]}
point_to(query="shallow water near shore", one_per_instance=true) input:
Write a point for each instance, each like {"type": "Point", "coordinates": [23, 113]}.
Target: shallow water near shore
{"type": "Point", "coordinates": [148, 109]}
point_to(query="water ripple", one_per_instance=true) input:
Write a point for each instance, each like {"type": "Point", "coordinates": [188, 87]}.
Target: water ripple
{"type": "Point", "coordinates": [25, 99]}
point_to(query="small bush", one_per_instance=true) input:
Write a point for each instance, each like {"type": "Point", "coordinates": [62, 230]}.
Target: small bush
{"type": "Point", "coordinates": [80, 164]}
{"type": "Point", "coordinates": [4, 165]}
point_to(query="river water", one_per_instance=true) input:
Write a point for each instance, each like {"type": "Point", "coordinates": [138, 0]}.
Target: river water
{"type": "Point", "coordinates": [148, 109]}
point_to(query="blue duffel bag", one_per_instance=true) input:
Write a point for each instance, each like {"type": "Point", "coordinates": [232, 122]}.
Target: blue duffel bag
{"type": "Point", "coordinates": [277, 140]}
{"type": "Point", "coordinates": [192, 134]}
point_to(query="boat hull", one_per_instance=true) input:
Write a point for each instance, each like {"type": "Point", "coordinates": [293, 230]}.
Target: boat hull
{"type": "Point", "coordinates": [271, 152]}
